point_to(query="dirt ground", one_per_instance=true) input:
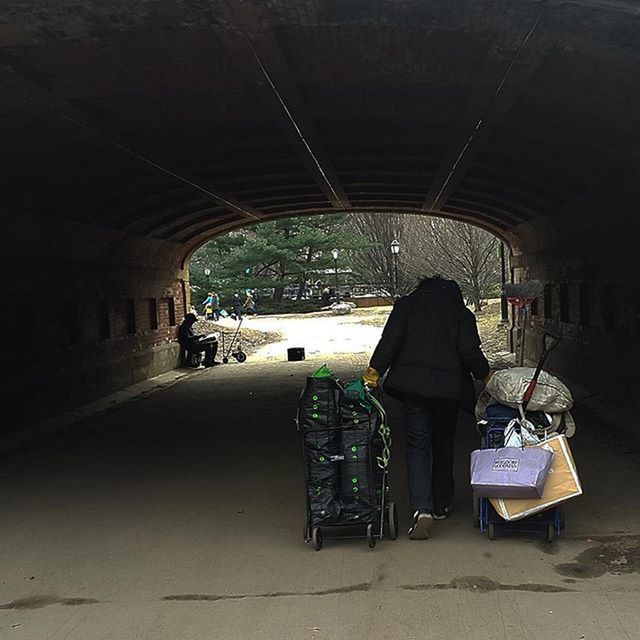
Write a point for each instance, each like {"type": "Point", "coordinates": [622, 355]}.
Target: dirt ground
{"type": "Point", "coordinates": [252, 339]}
{"type": "Point", "coordinates": [268, 337]}
{"type": "Point", "coordinates": [492, 334]}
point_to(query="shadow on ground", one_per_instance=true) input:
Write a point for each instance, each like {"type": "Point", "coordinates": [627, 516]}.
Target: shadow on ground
{"type": "Point", "coordinates": [181, 515]}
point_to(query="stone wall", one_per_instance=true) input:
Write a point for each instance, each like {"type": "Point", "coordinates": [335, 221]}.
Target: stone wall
{"type": "Point", "coordinates": [86, 321]}
{"type": "Point", "coordinates": [591, 298]}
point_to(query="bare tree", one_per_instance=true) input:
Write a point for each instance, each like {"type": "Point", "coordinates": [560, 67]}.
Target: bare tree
{"type": "Point", "coordinates": [455, 250]}
{"type": "Point", "coordinates": [375, 262]}
{"type": "Point", "coordinates": [429, 246]}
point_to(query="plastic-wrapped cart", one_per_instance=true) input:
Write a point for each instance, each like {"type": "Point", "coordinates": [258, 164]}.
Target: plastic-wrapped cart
{"type": "Point", "coordinates": [346, 447]}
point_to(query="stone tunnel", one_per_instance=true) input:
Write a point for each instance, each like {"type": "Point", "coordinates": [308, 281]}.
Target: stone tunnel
{"type": "Point", "coordinates": [132, 133]}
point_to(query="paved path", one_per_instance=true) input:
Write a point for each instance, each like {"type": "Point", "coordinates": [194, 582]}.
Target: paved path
{"type": "Point", "coordinates": [325, 334]}
{"type": "Point", "coordinates": [180, 517]}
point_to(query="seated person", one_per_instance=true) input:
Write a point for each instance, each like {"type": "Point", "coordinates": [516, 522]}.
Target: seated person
{"type": "Point", "coordinates": [194, 344]}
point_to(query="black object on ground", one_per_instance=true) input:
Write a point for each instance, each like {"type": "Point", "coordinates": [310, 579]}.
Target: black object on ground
{"type": "Point", "coordinates": [295, 354]}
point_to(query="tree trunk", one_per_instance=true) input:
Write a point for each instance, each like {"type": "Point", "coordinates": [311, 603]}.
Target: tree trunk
{"type": "Point", "coordinates": [278, 292]}
{"type": "Point", "coordinates": [302, 282]}
{"type": "Point", "coordinates": [476, 297]}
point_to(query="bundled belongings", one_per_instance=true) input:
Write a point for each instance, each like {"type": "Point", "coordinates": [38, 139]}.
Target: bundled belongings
{"type": "Point", "coordinates": [497, 504]}
{"type": "Point", "coordinates": [508, 387]}
{"type": "Point", "coordinates": [524, 470]}
{"type": "Point", "coordinates": [346, 443]}
{"type": "Point", "coordinates": [562, 484]}
{"type": "Point", "coordinates": [549, 405]}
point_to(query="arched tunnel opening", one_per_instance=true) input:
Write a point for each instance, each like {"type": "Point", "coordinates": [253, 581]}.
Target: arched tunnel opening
{"type": "Point", "coordinates": [133, 134]}
{"type": "Point", "coordinates": [326, 284]}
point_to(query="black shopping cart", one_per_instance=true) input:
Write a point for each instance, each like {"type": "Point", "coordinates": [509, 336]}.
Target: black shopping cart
{"type": "Point", "coordinates": [346, 445]}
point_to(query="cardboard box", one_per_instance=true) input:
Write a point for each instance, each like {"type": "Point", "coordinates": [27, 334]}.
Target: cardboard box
{"type": "Point", "coordinates": [562, 484]}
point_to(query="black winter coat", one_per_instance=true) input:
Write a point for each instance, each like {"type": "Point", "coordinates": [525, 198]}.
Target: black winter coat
{"type": "Point", "coordinates": [187, 337]}
{"type": "Point", "coordinates": [430, 346]}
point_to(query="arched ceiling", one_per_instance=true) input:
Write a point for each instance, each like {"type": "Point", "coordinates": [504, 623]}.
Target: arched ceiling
{"type": "Point", "coordinates": [180, 119]}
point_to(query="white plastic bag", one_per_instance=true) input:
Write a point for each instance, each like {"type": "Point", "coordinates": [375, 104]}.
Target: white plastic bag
{"type": "Point", "coordinates": [519, 433]}
{"type": "Point", "coordinates": [508, 387]}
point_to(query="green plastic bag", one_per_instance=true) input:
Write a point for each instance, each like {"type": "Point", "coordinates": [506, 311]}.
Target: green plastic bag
{"type": "Point", "coordinates": [356, 389]}
{"type": "Point", "coordinates": [324, 372]}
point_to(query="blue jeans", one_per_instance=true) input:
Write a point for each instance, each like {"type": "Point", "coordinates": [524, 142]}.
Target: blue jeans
{"type": "Point", "coordinates": [431, 430]}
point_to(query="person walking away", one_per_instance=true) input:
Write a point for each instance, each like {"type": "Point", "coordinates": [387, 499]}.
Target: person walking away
{"type": "Point", "coordinates": [430, 348]}
{"type": "Point", "coordinates": [326, 297]}
{"type": "Point", "coordinates": [192, 344]}
{"type": "Point", "coordinates": [215, 306]}
{"type": "Point", "coordinates": [236, 306]}
{"type": "Point", "coordinates": [249, 303]}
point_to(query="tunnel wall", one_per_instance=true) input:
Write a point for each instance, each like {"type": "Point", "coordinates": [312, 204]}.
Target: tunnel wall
{"type": "Point", "coordinates": [96, 310]}
{"type": "Point", "coordinates": [588, 262]}
{"type": "Point", "coordinates": [92, 312]}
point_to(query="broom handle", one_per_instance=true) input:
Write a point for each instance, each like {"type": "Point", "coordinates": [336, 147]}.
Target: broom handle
{"type": "Point", "coordinates": [523, 329]}
{"type": "Point", "coordinates": [528, 394]}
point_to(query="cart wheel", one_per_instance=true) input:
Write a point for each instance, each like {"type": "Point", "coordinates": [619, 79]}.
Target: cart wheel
{"type": "Point", "coordinates": [551, 533]}
{"type": "Point", "coordinates": [241, 356]}
{"type": "Point", "coordinates": [225, 360]}
{"type": "Point", "coordinates": [316, 537]}
{"type": "Point", "coordinates": [491, 531]}
{"type": "Point", "coordinates": [371, 539]}
{"type": "Point", "coordinates": [393, 521]}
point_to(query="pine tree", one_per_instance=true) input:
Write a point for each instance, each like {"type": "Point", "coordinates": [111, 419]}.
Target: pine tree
{"type": "Point", "coordinates": [278, 254]}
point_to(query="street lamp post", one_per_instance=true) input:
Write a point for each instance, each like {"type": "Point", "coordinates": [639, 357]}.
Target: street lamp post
{"type": "Point", "coordinates": [335, 254]}
{"type": "Point", "coordinates": [207, 273]}
{"type": "Point", "coordinates": [504, 305]}
{"type": "Point", "coordinates": [395, 250]}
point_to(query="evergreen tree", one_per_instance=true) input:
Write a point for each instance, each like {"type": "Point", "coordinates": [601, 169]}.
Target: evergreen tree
{"type": "Point", "coordinates": [278, 254]}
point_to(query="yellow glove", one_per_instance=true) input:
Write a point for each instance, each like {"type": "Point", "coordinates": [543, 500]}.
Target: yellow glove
{"type": "Point", "coordinates": [371, 377]}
